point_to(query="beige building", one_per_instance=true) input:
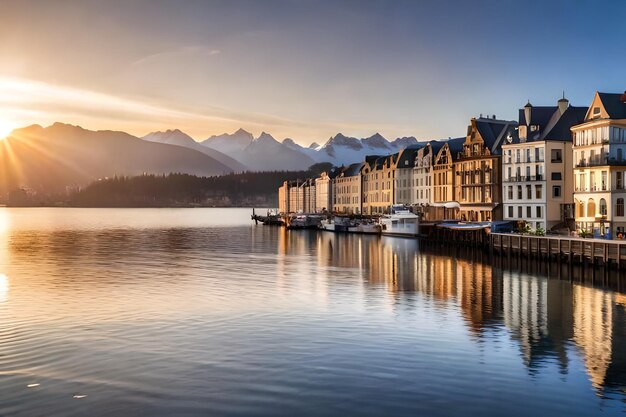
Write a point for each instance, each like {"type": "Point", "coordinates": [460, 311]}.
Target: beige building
{"type": "Point", "coordinates": [423, 178]}
{"type": "Point", "coordinates": [346, 190]}
{"type": "Point", "coordinates": [537, 186]}
{"type": "Point", "coordinates": [443, 205]}
{"type": "Point", "coordinates": [477, 171]}
{"type": "Point", "coordinates": [378, 182]}
{"type": "Point", "coordinates": [599, 150]}
{"type": "Point", "coordinates": [404, 181]}
{"type": "Point", "coordinates": [324, 190]}
{"type": "Point", "coordinates": [297, 197]}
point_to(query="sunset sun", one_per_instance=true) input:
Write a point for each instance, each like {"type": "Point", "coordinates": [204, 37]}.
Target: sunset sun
{"type": "Point", "coordinates": [6, 127]}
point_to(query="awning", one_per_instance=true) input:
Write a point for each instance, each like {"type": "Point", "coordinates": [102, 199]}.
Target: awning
{"type": "Point", "coordinates": [447, 204]}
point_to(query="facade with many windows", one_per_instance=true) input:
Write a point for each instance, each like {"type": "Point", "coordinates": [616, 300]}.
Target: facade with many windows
{"type": "Point", "coordinates": [537, 164]}
{"type": "Point", "coordinates": [443, 205]}
{"type": "Point", "coordinates": [405, 181]}
{"type": "Point", "coordinates": [477, 171]}
{"type": "Point", "coordinates": [378, 183]}
{"type": "Point", "coordinates": [346, 190]}
{"type": "Point", "coordinates": [599, 152]}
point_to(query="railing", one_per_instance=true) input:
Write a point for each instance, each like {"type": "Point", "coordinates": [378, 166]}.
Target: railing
{"type": "Point", "coordinates": [523, 178]}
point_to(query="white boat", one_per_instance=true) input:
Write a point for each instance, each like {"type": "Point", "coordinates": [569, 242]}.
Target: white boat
{"type": "Point", "coordinates": [303, 221]}
{"type": "Point", "coordinates": [401, 222]}
{"type": "Point", "coordinates": [343, 224]}
{"type": "Point", "coordinates": [366, 226]}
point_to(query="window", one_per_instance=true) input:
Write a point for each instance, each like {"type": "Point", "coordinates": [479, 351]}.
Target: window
{"type": "Point", "coordinates": [604, 182]}
{"type": "Point", "coordinates": [529, 213]}
{"type": "Point", "coordinates": [619, 184]}
{"type": "Point", "coordinates": [556, 176]}
{"type": "Point", "coordinates": [602, 207]}
{"type": "Point", "coordinates": [556, 156]}
{"type": "Point", "coordinates": [529, 193]}
{"type": "Point", "coordinates": [517, 155]}
{"type": "Point", "coordinates": [538, 192]}
{"type": "Point", "coordinates": [519, 212]}
{"type": "Point", "coordinates": [556, 191]}
{"type": "Point", "coordinates": [527, 173]}
{"type": "Point", "coordinates": [537, 154]}
{"type": "Point", "coordinates": [508, 171]}
{"type": "Point", "coordinates": [619, 207]}
{"type": "Point", "coordinates": [519, 193]}
{"type": "Point", "coordinates": [510, 192]}
{"type": "Point", "coordinates": [511, 210]}
{"type": "Point", "coordinates": [620, 156]}
{"type": "Point", "coordinates": [527, 155]}
{"type": "Point", "coordinates": [538, 210]}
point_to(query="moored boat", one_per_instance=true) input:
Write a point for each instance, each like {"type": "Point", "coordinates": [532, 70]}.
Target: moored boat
{"type": "Point", "coordinates": [303, 221]}
{"type": "Point", "coordinates": [400, 222]}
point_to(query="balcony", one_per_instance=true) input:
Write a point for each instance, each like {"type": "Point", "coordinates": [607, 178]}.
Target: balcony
{"type": "Point", "coordinates": [523, 178]}
{"type": "Point", "coordinates": [597, 161]}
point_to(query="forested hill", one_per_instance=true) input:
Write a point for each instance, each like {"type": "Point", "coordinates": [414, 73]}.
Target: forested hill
{"type": "Point", "coordinates": [251, 189]}
{"type": "Point", "coordinates": [243, 190]}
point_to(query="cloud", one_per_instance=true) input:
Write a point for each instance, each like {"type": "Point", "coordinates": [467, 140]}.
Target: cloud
{"type": "Point", "coordinates": [177, 53]}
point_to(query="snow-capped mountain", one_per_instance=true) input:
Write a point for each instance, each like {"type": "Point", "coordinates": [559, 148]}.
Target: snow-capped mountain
{"type": "Point", "coordinates": [311, 151]}
{"type": "Point", "coordinates": [267, 154]}
{"type": "Point", "coordinates": [179, 138]}
{"type": "Point", "coordinates": [344, 150]}
{"type": "Point", "coordinates": [229, 144]}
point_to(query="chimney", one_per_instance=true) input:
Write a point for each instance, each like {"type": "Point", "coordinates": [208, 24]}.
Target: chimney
{"type": "Point", "coordinates": [563, 104]}
{"type": "Point", "coordinates": [623, 98]}
{"type": "Point", "coordinates": [528, 112]}
{"type": "Point", "coordinates": [494, 117]}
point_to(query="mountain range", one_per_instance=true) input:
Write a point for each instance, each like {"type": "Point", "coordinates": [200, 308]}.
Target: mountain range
{"type": "Point", "coordinates": [61, 155]}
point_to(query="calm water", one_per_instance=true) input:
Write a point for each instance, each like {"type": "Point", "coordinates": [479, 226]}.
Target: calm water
{"type": "Point", "coordinates": [198, 312]}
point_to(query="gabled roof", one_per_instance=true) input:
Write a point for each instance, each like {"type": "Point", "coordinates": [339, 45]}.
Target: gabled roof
{"type": "Point", "coordinates": [407, 155]}
{"type": "Point", "coordinates": [613, 105]}
{"type": "Point", "coordinates": [539, 115]}
{"type": "Point", "coordinates": [494, 131]}
{"type": "Point", "coordinates": [560, 130]}
{"type": "Point", "coordinates": [353, 169]}
{"type": "Point", "coordinates": [456, 145]}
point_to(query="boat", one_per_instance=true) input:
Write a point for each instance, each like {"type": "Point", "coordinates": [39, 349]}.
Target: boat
{"type": "Point", "coordinates": [365, 226]}
{"type": "Point", "coordinates": [272, 218]}
{"type": "Point", "coordinates": [346, 224]}
{"type": "Point", "coordinates": [303, 221]}
{"type": "Point", "coordinates": [400, 222]}
{"type": "Point", "coordinates": [337, 224]}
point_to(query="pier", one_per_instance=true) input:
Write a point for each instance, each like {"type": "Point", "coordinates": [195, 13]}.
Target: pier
{"type": "Point", "coordinates": [573, 250]}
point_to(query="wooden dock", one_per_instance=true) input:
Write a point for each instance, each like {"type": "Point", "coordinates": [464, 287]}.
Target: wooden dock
{"type": "Point", "coordinates": [610, 253]}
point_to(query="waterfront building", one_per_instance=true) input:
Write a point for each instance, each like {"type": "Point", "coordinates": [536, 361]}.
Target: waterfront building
{"type": "Point", "coordinates": [323, 190]}
{"type": "Point", "coordinates": [443, 205]}
{"type": "Point", "coordinates": [404, 181]}
{"type": "Point", "coordinates": [297, 196]}
{"type": "Point", "coordinates": [537, 186]}
{"type": "Point", "coordinates": [423, 185]}
{"type": "Point", "coordinates": [378, 182]}
{"type": "Point", "coordinates": [477, 171]}
{"type": "Point", "coordinates": [346, 190]}
{"type": "Point", "coordinates": [600, 167]}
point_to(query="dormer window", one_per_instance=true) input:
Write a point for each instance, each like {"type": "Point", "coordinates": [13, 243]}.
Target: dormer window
{"type": "Point", "coordinates": [596, 112]}
{"type": "Point", "coordinates": [534, 128]}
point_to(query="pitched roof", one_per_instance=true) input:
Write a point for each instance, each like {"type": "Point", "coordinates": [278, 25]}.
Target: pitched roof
{"type": "Point", "coordinates": [493, 132]}
{"type": "Point", "coordinates": [407, 155]}
{"type": "Point", "coordinates": [613, 105]}
{"type": "Point", "coordinates": [539, 115]}
{"type": "Point", "coordinates": [353, 169]}
{"type": "Point", "coordinates": [560, 130]}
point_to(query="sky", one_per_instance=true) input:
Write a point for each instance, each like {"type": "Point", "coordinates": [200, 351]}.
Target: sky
{"type": "Point", "coordinates": [301, 69]}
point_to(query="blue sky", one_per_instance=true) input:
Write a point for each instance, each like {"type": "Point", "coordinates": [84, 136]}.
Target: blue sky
{"type": "Point", "coordinates": [300, 69]}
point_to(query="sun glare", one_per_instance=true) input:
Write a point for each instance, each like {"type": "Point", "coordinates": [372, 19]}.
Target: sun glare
{"type": "Point", "coordinates": [6, 127]}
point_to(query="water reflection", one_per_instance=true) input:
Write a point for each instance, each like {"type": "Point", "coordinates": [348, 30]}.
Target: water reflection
{"type": "Point", "coordinates": [150, 312]}
{"type": "Point", "coordinates": [545, 316]}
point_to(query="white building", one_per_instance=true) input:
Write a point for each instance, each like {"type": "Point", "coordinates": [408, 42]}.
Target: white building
{"type": "Point", "coordinates": [324, 191]}
{"type": "Point", "coordinates": [537, 186]}
{"type": "Point", "coordinates": [599, 167]}
{"type": "Point", "coordinates": [404, 183]}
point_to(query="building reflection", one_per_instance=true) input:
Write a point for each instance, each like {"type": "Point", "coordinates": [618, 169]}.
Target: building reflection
{"type": "Point", "coordinates": [546, 317]}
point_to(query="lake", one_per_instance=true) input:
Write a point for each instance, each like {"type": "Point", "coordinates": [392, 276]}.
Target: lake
{"type": "Point", "coordinates": [196, 312]}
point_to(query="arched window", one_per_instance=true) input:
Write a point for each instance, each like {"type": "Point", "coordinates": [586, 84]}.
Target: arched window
{"type": "Point", "coordinates": [591, 208]}
{"type": "Point", "coordinates": [581, 209]}
{"type": "Point", "coordinates": [602, 207]}
{"type": "Point", "coordinates": [619, 207]}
